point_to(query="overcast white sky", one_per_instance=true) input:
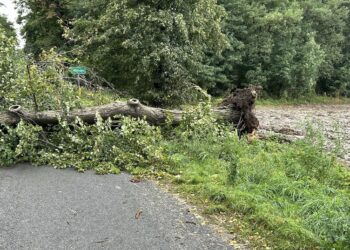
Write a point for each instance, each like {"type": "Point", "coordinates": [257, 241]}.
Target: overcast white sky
{"type": "Point", "coordinates": [9, 10]}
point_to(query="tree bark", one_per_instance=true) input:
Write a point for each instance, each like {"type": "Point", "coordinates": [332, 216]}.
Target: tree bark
{"type": "Point", "coordinates": [236, 109]}
{"type": "Point", "coordinates": [133, 108]}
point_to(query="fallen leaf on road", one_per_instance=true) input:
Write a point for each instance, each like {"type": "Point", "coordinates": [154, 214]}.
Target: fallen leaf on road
{"type": "Point", "coordinates": [191, 222]}
{"type": "Point", "coordinates": [101, 241]}
{"type": "Point", "coordinates": [135, 180]}
{"type": "Point", "coordinates": [138, 214]}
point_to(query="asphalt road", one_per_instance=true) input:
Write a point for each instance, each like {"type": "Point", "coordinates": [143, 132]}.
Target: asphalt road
{"type": "Point", "coordinates": [44, 208]}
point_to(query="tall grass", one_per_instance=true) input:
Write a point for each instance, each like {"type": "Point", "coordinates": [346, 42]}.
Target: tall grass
{"type": "Point", "coordinates": [296, 195]}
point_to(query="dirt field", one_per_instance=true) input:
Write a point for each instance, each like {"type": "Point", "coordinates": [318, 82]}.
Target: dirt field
{"type": "Point", "coordinates": [290, 122]}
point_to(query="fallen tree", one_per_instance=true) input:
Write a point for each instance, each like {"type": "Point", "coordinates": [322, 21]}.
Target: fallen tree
{"type": "Point", "coordinates": [237, 109]}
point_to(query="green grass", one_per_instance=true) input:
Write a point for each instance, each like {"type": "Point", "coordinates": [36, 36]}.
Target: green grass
{"type": "Point", "coordinates": [314, 99]}
{"type": "Point", "coordinates": [293, 195]}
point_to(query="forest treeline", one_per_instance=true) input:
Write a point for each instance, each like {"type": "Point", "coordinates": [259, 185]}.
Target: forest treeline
{"type": "Point", "coordinates": [160, 49]}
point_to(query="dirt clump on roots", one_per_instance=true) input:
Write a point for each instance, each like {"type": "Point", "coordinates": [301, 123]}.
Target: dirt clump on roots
{"type": "Point", "coordinates": [243, 101]}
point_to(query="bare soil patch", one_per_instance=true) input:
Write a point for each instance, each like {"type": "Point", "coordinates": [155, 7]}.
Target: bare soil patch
{"type": "Point", "coordinates": [290, 122]}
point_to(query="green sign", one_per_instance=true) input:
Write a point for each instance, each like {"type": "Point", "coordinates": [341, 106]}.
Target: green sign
{"type": "Point", "coordinates": [79, 70]}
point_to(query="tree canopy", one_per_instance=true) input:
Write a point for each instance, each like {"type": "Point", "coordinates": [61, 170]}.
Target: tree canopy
{"type": "Point", "coordinates": [154, 48]}
{"type": "Point", "coordinates": [160, 49]}
{"type": "Point", "coordinates": [43, 23]}
{"type": "Point", "coordinates": [7, 27]}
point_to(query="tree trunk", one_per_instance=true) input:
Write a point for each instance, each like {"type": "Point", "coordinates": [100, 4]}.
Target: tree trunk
{"type": "Point", "coordinates": [230, 111]}
{"type": "Point", "coordinates": [133, 108]}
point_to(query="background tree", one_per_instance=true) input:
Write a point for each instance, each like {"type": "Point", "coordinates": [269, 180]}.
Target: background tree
{"type": "Point", "coordinates": [7, 27]}
{"type": "Point", "coordinates": [328, 20]}
{"type": "Point", "coordinates": [290, 47]}
{"type": "Point", "coordinates": [43, 24]}
{"type": "Point", "coordinates": [7, 58]}
{"type": "Point", "coordinates": [159, 49]}
{"type": "Point", "coordinates": [156, 49]}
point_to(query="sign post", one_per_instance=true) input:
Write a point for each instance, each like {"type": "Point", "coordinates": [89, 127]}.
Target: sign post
{"type": "Point", "coordinates": [77, 71]}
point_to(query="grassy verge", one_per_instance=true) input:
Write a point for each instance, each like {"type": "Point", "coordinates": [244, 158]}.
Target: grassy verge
{"type": "Point", "coordinates": [285, 196]}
